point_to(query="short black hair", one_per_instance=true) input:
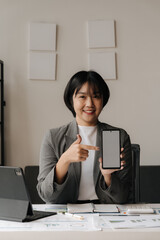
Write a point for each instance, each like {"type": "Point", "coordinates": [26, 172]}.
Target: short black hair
{"type": "Point", "coordinates": [76, 82]}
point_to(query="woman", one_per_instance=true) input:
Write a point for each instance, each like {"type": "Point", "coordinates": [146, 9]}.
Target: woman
{"type": "Point", "coordinates": [70, 157]}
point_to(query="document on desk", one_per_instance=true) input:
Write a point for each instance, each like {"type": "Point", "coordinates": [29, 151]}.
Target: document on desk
{"type": "Point", "coordinates": [131, 222]}
{"type": "Point", "coordinates": [59, 222]}
{"type": "Point", "coordinates": [92, 208]}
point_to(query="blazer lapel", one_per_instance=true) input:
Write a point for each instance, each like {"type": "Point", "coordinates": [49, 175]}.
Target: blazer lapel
{"type": "Point", "coordinates": [71, 137]}
{"type": "Point", "coordinates": [71, 134]}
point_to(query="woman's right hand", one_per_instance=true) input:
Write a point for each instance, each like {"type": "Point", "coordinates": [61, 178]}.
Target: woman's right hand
{"type": "Point", "coordinates": [78, 152]}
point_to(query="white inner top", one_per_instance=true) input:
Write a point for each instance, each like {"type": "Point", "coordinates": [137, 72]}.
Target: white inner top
{"type": "Point", "coordinates": [87, 188]}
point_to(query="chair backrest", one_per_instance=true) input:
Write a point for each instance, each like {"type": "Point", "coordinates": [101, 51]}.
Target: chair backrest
{"type": "Point", "coordinates": [31, 174]}
{"type": "Point", "coordinates": [134, 198]}
{"type": "Point", "coordinates": [150, 183]}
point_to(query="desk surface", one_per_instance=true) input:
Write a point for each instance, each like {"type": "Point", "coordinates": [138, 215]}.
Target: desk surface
{"type": "Point", "coordinates": [138, 234]}
{"type": "Point", "coordinates": [15, 231]}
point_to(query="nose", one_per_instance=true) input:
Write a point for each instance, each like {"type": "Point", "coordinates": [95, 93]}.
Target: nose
{"type": "Point", "coordinates": [89, 102]}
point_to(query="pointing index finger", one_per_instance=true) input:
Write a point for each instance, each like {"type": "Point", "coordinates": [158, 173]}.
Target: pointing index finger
{"type": "Point", "coordinates": [89, 147]}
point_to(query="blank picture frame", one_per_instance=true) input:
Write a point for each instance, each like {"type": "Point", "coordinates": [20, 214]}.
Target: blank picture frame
{"type": "Point", "coordinates": [101, 34]}
{"type": "Point", "coordinates": [42, 66]}
{"type": "Point", "coordinates": [104, 63]}
{"type": "Point", "coordinates": [42, 36]}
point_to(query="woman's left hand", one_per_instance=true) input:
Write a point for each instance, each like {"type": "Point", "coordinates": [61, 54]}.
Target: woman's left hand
{"type": "Point", "coordinates": [110, 171]}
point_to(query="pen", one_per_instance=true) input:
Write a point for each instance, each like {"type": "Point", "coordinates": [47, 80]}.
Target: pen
{"type": "Point", "coordinates": [74, 215]}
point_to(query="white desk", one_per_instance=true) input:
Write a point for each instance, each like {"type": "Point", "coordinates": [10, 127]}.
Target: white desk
{"type": "Point", "coordinates": [124, 234]}
{"type": "Point", "coordinates": [134, 234]}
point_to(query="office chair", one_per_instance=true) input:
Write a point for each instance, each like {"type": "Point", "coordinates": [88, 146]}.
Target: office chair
{"type": "Point", "coordinates": [135, 190]}
{"type": "Point", "coordinates": [150, 184]}
{"type": "Point", "coordinates": [31, 174]}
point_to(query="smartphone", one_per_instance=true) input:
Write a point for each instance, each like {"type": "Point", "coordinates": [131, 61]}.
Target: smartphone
{"type": "Point", "coordinates": [111, 149]}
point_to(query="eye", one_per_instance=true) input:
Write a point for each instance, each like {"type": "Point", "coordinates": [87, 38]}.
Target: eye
{"type": "Point", "coordinates": [96, 96]}
{"type": "Point", "coordinates": [82, 96]}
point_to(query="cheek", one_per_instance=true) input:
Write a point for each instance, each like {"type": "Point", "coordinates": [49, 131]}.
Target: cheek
{"type": "Point", "coordinates": [99, 105]}
{"type": "Point", "coordinates": [76, 105]}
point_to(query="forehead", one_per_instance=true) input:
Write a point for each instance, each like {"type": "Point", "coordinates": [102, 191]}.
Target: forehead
{"type": "Point", "coordinates": [87, 88]}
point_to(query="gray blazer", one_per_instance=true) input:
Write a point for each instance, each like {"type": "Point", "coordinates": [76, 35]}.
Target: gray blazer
{"type": "Point", "coordinates": [55, 143]}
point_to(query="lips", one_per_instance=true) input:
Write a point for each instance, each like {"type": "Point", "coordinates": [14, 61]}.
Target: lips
{"type": "Point", "coordinates": [89, 112]}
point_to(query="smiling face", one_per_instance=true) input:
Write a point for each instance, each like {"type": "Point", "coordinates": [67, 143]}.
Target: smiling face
{"type": "Point", "coordinates": [87, 104]}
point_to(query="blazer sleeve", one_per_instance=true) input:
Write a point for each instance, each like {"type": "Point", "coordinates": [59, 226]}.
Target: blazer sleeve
{"type": "Point", "coordinates": [47, 188]}
{"type": "Point", "coordinates": [118, 191]}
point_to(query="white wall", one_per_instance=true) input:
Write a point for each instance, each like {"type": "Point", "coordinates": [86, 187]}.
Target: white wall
{"type": "Point", "coordinates": [32, 107]}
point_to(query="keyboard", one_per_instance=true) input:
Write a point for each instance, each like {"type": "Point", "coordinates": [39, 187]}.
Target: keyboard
{"type": "Point", "coordinates": [139, 209]}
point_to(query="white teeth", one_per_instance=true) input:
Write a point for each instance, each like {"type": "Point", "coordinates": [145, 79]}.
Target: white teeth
{"type": "Point", "coordinates": [89, 111]}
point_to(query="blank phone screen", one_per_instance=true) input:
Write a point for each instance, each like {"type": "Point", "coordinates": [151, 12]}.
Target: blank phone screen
{"type": "Point", "coordinates": [111, 149]}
